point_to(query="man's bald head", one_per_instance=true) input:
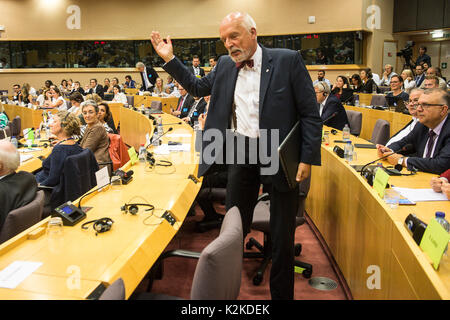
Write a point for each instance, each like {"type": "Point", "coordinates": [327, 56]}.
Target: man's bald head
{"type": "Point", "coordinates": [238, 34]}
{"type": "Point", "coordinates": [9, 158]}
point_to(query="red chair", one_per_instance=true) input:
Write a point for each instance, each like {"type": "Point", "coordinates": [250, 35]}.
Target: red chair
{"type": "Point", "coordinates": [118, 151]}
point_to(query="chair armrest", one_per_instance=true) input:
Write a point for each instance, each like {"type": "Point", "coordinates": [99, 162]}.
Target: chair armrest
{"type": "Point", "coordinates": [181, 254]}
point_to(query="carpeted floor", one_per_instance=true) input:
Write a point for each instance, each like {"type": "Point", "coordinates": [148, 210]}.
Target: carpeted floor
{"type": "Point", "coordinates": [178, 272]}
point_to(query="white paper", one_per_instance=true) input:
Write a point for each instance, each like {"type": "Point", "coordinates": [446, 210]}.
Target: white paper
{"type": "Point", "coordinates": [25, 157]}
{"type": "Point", "coordinates": [162, 149]}
{"type": "Point", "coordinates": [102, 177]}
{"type": "Point", "coordinates": [147, 140]}
{"type": "Point", "coordinates": [179, 135]}
{"type": "Point", "coordinates": [16, 272]}
{"type": "Point", "coordinates": [420, 195]}
{"type": "Point", "coordinates": [29, 150]}
{"type": "Point", "coordinates": [186, 147]}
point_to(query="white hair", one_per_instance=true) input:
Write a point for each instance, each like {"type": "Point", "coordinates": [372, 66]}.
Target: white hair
{"type": "Point", "coordinates": [323, 87]}
{"type": "Point", "coordinates": [88, 103]}
{"type": "Point", "coordinates": [247, 21]}
{"type": "Point", "coordinates": [10, 160]}
{"type": "Point", "coordinates": [140, 64]}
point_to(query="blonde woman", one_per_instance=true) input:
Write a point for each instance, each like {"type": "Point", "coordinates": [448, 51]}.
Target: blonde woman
{"type": "Point", "coordinates": [159, 87]}
{"type": "Point", "coordinates": [408, 80]}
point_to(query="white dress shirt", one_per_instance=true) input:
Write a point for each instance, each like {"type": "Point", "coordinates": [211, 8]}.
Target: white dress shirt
{"type": "Point", "coordinates": [196, 70]}
{"type": "Point", "coordinates": [120, 97]}
{"type": "Point", "coordinates": [63, 106]}
{"type": "Point", "coordinates": [404, 132]}
{"type": "Point", "coordinates": [322, 105]}
{"type": "Point", "coordinates": [324, 80]}
{"type": "Point", "coordinates": [148, 85]}
{"type": "Point", "coordinates": [246, 97]}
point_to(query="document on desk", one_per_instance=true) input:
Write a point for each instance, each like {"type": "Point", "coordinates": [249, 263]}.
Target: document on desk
{"type": "Point", "coordinates": [25, 157]}
{"type": "Point", "coordinates": [29, 150]}
{"type": "Point", "coordinates": [16, 272]}
{"type": "Point", "coordinates": [184, 147]}
{"type": "Point", "coordinates": [420, 195]}
{"type": "Point", "coordinates": [179, 135]}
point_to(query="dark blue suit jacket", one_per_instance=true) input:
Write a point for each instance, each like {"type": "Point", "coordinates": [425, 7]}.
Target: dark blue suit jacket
{"type": "Point", "coordinates": [333, 105]}
{"type": "Point", "coordinates": [151, 74]}
{"type": "Point", "coordinates": [286, 96]}
{"type": "Point", "coordinates": [418, 138]}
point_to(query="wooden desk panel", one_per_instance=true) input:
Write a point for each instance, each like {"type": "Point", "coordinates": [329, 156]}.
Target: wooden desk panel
{"type": "Point", "coordinates": [29, 118]}
{"type": "Point", "coordinates": [362, 231]}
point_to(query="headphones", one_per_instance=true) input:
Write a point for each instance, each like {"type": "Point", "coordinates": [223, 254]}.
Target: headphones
{"type": "Point", "coordinates": [100, 225]}
{"type": "Point", "coordinates": [63, 120]}
{"type": "Point", "coordinates": [152, 161]}
{"type": "Point", "coordinates": [133, 209]}
{"type": "Point", "coordinates": [325, 88]}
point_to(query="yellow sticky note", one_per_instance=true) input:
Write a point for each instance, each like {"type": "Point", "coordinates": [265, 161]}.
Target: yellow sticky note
{"type": "Point", "coordinates": [298, 270]}
{"type": "Point", "coordinates": [133, 155]}
{"type": "Point", "coordinates": [380, 181]}
{"type": "Point", "coordinates": [434, 241]}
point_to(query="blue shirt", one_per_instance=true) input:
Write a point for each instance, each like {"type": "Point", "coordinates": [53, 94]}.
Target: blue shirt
{"type": "Point", "coordinates": [53, 166]}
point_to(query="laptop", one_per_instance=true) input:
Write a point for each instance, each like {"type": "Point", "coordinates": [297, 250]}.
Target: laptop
{"type": "Point", "coordinates": [396, 103]}
{"type": "Point", "coordinates": [289, 154]}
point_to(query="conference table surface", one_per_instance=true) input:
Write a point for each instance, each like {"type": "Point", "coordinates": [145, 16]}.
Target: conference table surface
{"type": "Point", "coordinates": [75, 264]}
{"type": "Point", "coordinates": [362, 230]}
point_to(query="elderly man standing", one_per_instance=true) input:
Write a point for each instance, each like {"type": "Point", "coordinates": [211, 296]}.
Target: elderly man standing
{"type": "Point", "coordinates": [254, 89]}
{"type": "Point", "coordinates": [148, 76]}
{"type": "Point", "coordinates": [387, 75]}
{"type": "Point", "coordinates": [16, 189]}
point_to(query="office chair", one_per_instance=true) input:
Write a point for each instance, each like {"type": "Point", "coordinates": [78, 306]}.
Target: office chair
{"type": "Point", "coordinates": [116, 291]}
{"type": "Point", "coordinates": [355, 121]}
{"type": "Point", "coordinates": [378, 100]}
{"type": "Point", "coordinates": [261, 222]}
{"type": "Point", "coordinates": [219, 269]}
{"type": "Point", "coordinates": [5, 133]}
{"type": "Point", "coordinates": [381, 132]}
{"type": "Point", "coordinates": [22, 218]}
{"type": "Point", "coordinates": [78, 178]}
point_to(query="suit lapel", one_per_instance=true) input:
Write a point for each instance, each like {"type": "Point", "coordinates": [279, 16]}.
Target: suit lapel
{"type": "Point", "coordinates": [266, 74]}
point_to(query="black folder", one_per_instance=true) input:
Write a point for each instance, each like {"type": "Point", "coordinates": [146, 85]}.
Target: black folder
{"type": "Point", "coordinates": [289, 153]}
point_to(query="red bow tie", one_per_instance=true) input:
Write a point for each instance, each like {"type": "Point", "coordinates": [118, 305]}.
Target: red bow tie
{"type": "Point", "coordinates": [242, 64]}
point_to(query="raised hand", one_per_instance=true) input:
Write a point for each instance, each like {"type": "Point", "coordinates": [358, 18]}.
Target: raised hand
{"type": "Point", "coordinates": [164, 50]}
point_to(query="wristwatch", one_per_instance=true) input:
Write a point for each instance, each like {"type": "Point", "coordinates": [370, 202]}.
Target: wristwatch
{"type": "Point", "coordinates": [400, 161]}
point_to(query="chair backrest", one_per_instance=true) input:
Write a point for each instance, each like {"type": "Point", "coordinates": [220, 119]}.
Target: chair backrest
{"type": "Point", "coordinates": [116, 291]}
{"type": "Point", "coordinates": [381, 132]}
{"type": "Point", "coordinates": [355, 121]}
{"type": "Point", "coordinates": [378, 100]}
{"type": "Point", "coordinates": [4, 133]}
{"type": "Point", "coordinates": [130, 100]}
{"type": "Point", "coordinates": [218, 272]}
{"type": "Point", "coordinates": [118, 151]}
{"type": "Point", "coordinates": [22, 218]}
{"type": "Point", "coordinates": [17, 126]}
{"type": "Point", "coordinates": [303, 189]}
{"type": "Point", "coordinates": [77, 179]}
{"type": "Point", "coordinates": [156, 105]}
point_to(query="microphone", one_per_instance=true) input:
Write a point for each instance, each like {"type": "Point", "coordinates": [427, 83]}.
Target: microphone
{"type": "Point", "coordinates": [21, 145]}
{"type": "Point", "coordinates": [124, 176]}
{"type": "Point", "coordinates": [330, 117]}
{"type": "Point", "coordinates": [407, 149]}
{"type": "Point", "coordinates": [169, 124]}
{"type": "Point", "coordinates": [86, 194]}
{"type": "Point", "coordinates": [164, 133]}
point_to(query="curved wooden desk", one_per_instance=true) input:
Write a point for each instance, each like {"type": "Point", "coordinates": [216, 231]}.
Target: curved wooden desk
{"type": "Point", "coordinates": [30, 118]}
{"type": "Point", "coordinates": [133, 244]}
{"type": "Point", "coordinates": [362, 231]}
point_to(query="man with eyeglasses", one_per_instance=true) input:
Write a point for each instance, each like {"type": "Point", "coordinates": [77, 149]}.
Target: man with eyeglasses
{"type": "Point", "coordinates": [95, 88]}
{"type": "Point", "coordinates": [430, 137]}
{"type": "Point", "coordinates": [16, 92]}
{"type": "Point", "coordinates": [412, 108]}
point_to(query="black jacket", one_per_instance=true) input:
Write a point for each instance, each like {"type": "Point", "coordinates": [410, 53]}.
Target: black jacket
{"type": "Point", "coordinates": [346, 96]}
{"type": "Point", "coordinates": [152, 75]}
{"type": "Point", "coordinates": [440, 161]}
{"type": "Point", "coordinates": [333, 105]}
{"type": "Point", "coordinates": [202, 71]}
{"type": "Point", "coordinates": [286, 96]}
{"type": "Point", "coordinates": [98, 90]}
{"type": "Point", "coordinates": [368, 87]}
{"type": "Point", "coordinates": [187, 104]}
{"type": "Point", "coordinates": [16, 190]}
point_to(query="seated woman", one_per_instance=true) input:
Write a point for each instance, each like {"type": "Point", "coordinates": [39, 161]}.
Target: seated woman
{"type": "Point", "coordinates": [3, 117]}
{"type": "Point", "coordinates": [159, 87]}
{"type": "Point", "coordinates": [64, 126]}
{"type": "Point", "coordinates": [105, 117]}
{"type": "Point", "coordinates": [119, 97]}
{"type": "Point", "coordinates": [369, 86]}
{"type": "Point", "coordinates": [107, 86]}
{"type": "Point", "coordinates": [94, 136]}
{"type": "Point", "coordinates": [341, 89]}
{"type": "Point", "coordinates": [76, 99]}
{"type": "Point", "coordinates": [45, 100]}
{"type": "Point", "coordinates": [57, 100]}
{"type": "Point", "coordinates": [356, 83]}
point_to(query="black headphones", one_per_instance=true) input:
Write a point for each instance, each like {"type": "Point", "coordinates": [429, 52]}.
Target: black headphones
{"type": "Point", "coordinates": [162, 163]}
{"type": "Point", "coordinates": [100, 225]}
{"type": "Point", "coordinates": [133, 209]}
{"type": "Point", "coordinates": [63, 120]}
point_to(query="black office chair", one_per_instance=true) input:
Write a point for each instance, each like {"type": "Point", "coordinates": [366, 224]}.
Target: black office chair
{"type": "Point", "coordinates": [5, 133]}
{"type": "Point", "coordinates": [261, 222]}
{"type": "Point", "coordinates": [78, 178]}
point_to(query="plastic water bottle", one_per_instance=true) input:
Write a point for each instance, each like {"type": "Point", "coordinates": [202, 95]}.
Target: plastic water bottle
{"type": "Point", "coordinates": [348, 151]}
{"type": "Point", "coordinates": [15, 142]}
{"type": "Point", "coordinates": [357, 101]}
{"type": "Point", "coordinates": [440, 217]}
{"type": "Point", "coordinates": [160, 128]}
{"type": "Point", "coordinates": [142, 153]}
{"type": "Point", "coordinates": [346, 132]}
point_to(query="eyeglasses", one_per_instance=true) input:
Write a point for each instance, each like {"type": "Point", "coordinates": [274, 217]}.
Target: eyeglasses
{"type": "Point", "coordinates": [427, 105]}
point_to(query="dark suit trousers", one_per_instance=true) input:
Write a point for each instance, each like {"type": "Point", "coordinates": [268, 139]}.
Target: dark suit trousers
{"type": "Point", "coordinates": [242, 191]}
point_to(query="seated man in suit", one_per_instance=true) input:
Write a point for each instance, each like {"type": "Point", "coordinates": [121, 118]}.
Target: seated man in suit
{"type": "Point", "coordinates": [331, 109]}
{"type": "Point", "coordinates": [412, 108]}
{"type": "Point", "coordinates": [197, 109]}
{"type": "Point", "coordinates": [185, 102]}
{"type": "Point", "coordinates": [95, 88]}
{"type": "Point", "coordinates": [16, 189]}
{"type": "Point", "coordinates": [430, 138]}
{"type": "Point", "coordinates": [148, 76]}
{"type": "Point", "coordinates": [195, 69]}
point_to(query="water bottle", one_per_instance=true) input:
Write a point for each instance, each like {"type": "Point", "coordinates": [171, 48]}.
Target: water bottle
{"type": "Point", "coordinates": [142, 153]}
{"type": "Point", "coordinates": [15, 142]}
{"type": "Point", "coordinates": [357, 101]}
{"type": "Point", "coordinates": [348, 151]}
{"type": "Point", "coordinates": [440, 217]}
{"type": "Point", "coordinates": [160, 128]}
{"type": "Point", "coordinates": [346, 132]}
